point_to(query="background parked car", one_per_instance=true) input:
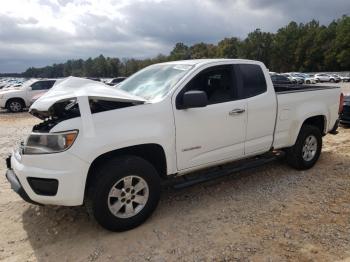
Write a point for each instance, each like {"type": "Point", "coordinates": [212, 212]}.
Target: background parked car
{"type": "Point", "coordinates": [280, 79]}
{"type": "Point", "coordinates": [10, 83]}
{"type": "Point", "coordinates": [307, 78]}
{"type": "Point", "coordinates": [16, 99]}
{"type": "Point", "coordinates": [294, 79]}
{"type": "Point", "coordinates": [343, 78]}
{"type": "Point", "coordinates": [115, 81]}
{"type": "Point", "coordinates": [344, 116]}
{"type": "Point", "coordinates": [94, 78]}
{"type": "Point", "coordinates": [322, 77]}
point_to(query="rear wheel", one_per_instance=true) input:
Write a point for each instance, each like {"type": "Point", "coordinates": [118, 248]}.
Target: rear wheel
{"type": "Point", "coordinates": [15, 105]}
{"type": "Point", "coordinates": [125, 193]}
{"type": "Point", "coordinates": [307, 149]}
{"type": "Point", "coordinates": [332, 80]}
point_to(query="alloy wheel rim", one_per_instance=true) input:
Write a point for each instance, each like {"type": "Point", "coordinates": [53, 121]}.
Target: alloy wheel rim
{"type": "Point", "coordinates": [309, 148]}
{"type": "Point", "coordinates": [15, 106]}
{"type": "Point", "coordinates": [128, 196]}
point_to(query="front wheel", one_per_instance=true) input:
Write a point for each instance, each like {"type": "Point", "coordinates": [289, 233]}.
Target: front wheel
{"type": "Point", "coordinates": [15, 106]}
{"type": "Point", "coordinates": [307, 149]}
{"type": "Point", "coordinates": [125, 194]}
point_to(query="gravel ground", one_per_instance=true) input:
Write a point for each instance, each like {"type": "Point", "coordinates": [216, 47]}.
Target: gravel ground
{"type": "Point", "coordinates": [271, 213]}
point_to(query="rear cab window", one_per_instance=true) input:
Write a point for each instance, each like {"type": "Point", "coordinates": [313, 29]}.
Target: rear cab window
{"type": "Point", "coordinates": [252, 79]}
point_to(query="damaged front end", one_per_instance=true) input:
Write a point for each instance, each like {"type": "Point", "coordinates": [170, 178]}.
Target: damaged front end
{"type": "Point", "coordinates": [72, 98]}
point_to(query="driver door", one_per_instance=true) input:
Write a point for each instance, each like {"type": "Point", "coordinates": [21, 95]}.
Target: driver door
{"type": "Point", "coordinates": [216, 132]}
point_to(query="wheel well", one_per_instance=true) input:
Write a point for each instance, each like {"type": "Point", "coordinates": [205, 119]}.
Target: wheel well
{"type": "Point", "coordinates": [153, 153]}
{"type": "Point", "coordinates": [15, 98]}
{"type": "Point", "coordinates": [317, 121]}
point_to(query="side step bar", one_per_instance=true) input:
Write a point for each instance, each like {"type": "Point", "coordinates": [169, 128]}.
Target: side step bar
{"type": "Point", "coordinates": [220, 171]}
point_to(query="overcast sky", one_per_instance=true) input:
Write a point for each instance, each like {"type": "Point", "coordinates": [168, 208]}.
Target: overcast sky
{"type": "Point", "coordinates": [42, 32]}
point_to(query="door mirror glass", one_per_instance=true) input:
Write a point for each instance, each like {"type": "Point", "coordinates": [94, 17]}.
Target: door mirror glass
{"type": "Point", "coordinates": [192, 99]}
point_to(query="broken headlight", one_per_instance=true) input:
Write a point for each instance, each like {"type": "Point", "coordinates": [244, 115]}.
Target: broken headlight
{"type": "Point", "coordinates": [46, 143]}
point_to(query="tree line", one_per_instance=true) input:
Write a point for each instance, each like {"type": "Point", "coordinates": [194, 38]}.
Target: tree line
{"type": "Point", "coordinates": [308, 47]}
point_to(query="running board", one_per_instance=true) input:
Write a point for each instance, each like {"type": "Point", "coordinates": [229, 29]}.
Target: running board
{"type": "Point", "coordinates": [220, 171]}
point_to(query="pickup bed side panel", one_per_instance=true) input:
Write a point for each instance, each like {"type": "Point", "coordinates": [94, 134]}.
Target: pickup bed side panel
{"type": "Point", "coordinates": [295, 108]}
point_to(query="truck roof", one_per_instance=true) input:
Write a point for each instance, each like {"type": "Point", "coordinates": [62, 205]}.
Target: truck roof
{"type": "Point", "coordinates": [209, 61]}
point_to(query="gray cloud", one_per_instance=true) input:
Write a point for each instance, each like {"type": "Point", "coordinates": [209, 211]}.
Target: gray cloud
{"type": "Point", "coordinates": [143, 28]}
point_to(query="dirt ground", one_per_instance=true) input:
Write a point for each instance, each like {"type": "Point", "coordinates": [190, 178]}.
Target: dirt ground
{"type": "Point", "coordinates": [271, 213]}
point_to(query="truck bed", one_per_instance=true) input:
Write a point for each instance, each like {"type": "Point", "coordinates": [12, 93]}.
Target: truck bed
{"type": "Point", "coordinates": [285, 88]}
{"type": "Point", "coordinates": [295, 104]}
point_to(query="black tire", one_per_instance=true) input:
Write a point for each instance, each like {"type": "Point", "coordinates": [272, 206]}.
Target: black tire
{"type": "Point", "coordinates": [107, 176]}
{"type": "Point", "coordinates": [332, 80]}
{"type": "Point", "coordinates": [295, 154]}
{"type": "Point", "coordinates": [15, 105]}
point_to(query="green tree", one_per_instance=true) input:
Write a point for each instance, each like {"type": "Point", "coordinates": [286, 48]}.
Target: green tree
{"type": "Point", "coordinates": [228, 48]}
{"type": "Point", "coordinates": [180, 52]}
{"type": "Point", "coordinates": [342, 43]}
{"type": "Point", "coordinates": [203, 50]}
{"type": "Point", "coordinates": [284, 46]}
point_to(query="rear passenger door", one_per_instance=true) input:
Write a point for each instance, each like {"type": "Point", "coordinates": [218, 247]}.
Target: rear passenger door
{"type": "Point", "coordinates": [216, 132]}
{"type": "Point", "coordinates": [261, 107]}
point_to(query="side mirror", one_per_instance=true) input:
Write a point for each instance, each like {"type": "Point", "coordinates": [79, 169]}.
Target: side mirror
{"type": "Point", "coordinates": [192, 99]}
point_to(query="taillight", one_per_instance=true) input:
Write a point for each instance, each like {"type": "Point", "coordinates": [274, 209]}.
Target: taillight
{"type": "Point", "coordinates": [341, 103]}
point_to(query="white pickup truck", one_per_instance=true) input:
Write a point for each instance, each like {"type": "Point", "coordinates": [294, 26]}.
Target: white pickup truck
{"type": "Point", "coordinates": [17, 98]}
{"type": "Point", "coordinates": [112, 148]}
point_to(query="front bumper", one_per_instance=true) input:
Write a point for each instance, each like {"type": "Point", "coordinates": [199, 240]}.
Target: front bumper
{"type": "Point", "coordinates": [33, 178]}
{"type": "Point", "coordinates": [17, 187]}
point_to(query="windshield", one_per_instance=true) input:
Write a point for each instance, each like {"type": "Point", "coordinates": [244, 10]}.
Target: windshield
{"type": "Point", "coordinates": [154, 82]}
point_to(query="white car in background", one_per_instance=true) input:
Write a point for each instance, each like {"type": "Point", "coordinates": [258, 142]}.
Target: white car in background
{"type": "Point", "coordinates": [307, 78]}
{"type": "Point", "coordinates": [16, 99]}
{"type": "Point", "coordinates": [322, 77]}
{"type": "Point", "coordinates": [294, 79]}
{"type": "Point", "coordinates": [343, 78]}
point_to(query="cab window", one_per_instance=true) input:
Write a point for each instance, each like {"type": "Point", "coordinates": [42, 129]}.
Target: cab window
{"type": "Point", "coordinates": [253, 80]}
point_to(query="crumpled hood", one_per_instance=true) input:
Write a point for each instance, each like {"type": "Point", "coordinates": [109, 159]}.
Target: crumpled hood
{"type": "Point", "coordinates": [74, 87]}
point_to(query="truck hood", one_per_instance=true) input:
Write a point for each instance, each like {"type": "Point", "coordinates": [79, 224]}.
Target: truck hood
{"type": "Point", "coordinates": [74, 87]}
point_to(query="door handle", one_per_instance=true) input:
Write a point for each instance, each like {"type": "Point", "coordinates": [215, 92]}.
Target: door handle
{"type": "Point", "coordinates": [236, 111]}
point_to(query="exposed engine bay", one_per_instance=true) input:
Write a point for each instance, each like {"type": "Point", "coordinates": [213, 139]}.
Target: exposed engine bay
{"type": "Point", "coordinates": [67, 109]}
{"type": "Point", "coordinates": [77, 97]}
